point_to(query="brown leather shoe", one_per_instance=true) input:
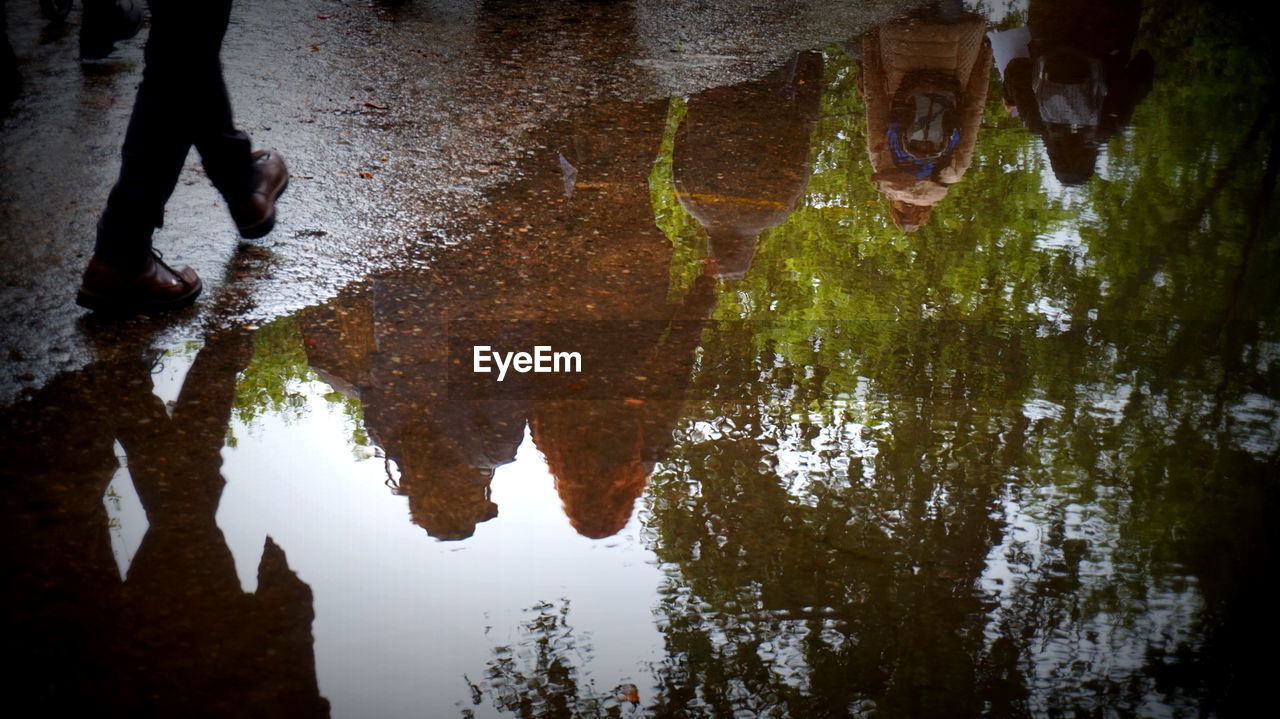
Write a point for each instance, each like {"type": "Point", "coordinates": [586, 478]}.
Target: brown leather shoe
{"type": "Point", "coordinates": [154, 287]}
{"type": "Point", "coordinates": [256, 216]}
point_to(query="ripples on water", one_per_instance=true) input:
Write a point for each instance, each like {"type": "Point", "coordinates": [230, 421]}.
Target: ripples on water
{"type": "Point", "coordinates": [992, 433]}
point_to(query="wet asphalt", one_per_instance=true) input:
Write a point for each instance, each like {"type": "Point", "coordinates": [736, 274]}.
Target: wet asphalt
{"type": "Point", "coordinates": [400, 123]}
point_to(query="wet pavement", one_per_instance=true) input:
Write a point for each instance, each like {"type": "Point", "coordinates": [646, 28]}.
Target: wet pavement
{"type": "Point", "coordinates": [929, 367]}
{"type": "Point", "coordinates": [395, 122]}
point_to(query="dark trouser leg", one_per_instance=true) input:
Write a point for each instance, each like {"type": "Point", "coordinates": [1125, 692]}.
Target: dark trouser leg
{"type": "Point", "coordinates": [10, 80]}
{"type": "Point", "coordinates": [182, 101]}
{"type": "Point", "coordinates": [224, 150]}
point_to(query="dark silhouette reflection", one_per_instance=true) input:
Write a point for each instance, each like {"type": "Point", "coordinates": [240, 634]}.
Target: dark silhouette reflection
{"type": "Point", "coordinates": [1072, 77]}
{"type": "Point", "coordinates": [178, 636]}
{"type": "Point", "coordinates": [924, 79]}
{"type": "Point", "coordinates": [592, 278]}
{"type": "Point", "coordinates": [741, 160]}
{"type": "Point", "coordinates": [377, 350]}
{"type": "Point", "coordinates": [601, 452]}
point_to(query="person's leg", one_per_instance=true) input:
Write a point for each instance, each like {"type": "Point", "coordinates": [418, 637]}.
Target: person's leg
{"type": "Point", "coordinates": [182, 69]}
{"type": "Point", "coordinates": [103, 22]}
{"type": "Point", "coordinates": [10, 80]}
{"type": "Point", "coordinates": [155, 148]}
{"type": "Point", "coordinates": [182, 101]}
{"type": "Point", "coordinates": [249, 181]}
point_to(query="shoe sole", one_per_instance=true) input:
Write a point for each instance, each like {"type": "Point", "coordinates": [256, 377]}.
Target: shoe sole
{"type": "Point", "coordinates": [264, 228]}
{"type": "Point", "coordinates": [116, 305]}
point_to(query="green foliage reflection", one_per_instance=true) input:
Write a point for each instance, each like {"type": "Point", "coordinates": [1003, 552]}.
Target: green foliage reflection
{"type": "Point", "coordinates": [1014, 463]}
{"type": "Point", "coordinates": [279, 380]}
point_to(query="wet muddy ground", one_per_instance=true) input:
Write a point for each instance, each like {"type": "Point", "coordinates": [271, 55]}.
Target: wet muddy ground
{"type": "Point", "coordinates": [395, 120]}
{"type": "Point", "coordinates": [966, 412]}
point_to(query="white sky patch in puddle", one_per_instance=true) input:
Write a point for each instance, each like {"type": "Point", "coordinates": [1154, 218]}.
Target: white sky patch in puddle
{"type": "Point", "coordinates": [400, 616]}
{"type": "Point", "coordinates": [171, 371]}
{"type": "Point", "coordinates": [126, 517]}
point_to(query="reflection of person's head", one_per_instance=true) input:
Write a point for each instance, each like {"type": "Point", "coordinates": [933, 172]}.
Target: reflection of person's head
{"type": "Point", "coordinates": [451, 501]}
{"type": "Point", "coordinates": [1071, 154]}
{"type": "Point", "coordinates": [598, 500]}
{"type": "Point", "coordinates": [595, 452]}
{"type": "Point", "coordinates": [908, 217]}
{"type": "Point", "coordinates": [732, 251]}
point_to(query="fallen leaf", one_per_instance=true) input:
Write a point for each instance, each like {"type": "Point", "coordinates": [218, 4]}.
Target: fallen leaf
{"type": "Point", "coordinates": [570, 174]}
{"type": "Point", "coordinates": [367, 175]}
{"type": "Point", "coordinates": [629, 693]}
{"type": "Point", "coordinates": [375, 106]}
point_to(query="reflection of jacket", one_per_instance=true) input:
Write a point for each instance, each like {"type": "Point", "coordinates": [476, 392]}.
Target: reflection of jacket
{"type": "Point", "coordinates": [891, 55]}
{"type": "Point", "coordinates": [1077, 81]}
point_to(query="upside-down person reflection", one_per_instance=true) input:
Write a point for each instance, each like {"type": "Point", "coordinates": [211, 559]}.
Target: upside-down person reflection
{"type": "Point", "coordinates": [924, 81]}
{"type": "Point", "coordinates": [445, 450]}
{"type": "Point", "coordinates": [176, 635]}
{"type": "Point", "coordinates": [592, 276]}
{"type": "Point", "coordinates": [601, 452]}
{"type": "Point", "coordinates": [1072, 77]}
{"type": "Point", "coordinates": [741, 159]}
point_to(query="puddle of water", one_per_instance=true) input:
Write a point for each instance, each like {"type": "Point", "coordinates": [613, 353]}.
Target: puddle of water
{"type": "Point", "coordinates": [401, 616]}
{"type": "Point", "coordinates": [907, 389]}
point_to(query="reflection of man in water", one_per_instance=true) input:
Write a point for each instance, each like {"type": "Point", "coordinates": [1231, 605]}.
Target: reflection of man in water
{"type": "Point", "coordinates": [741, 158]}
{"type": "Point", "coordinates": [176, 636]}
{"type": "Point", "coordinates": [924, 80]}
{"type": "Point", "coordinates": [1071, 76]}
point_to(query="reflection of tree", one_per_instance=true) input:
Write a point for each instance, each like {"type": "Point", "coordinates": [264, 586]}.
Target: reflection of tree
{"type": "Point", "coordinates": [543, 675]}
{"type": "Point", "coordinates": [274, 380]}
{"type": "Point", "coordinates": [827, 590]}
{"type": "Point", "coordinates": [1013, 463]}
